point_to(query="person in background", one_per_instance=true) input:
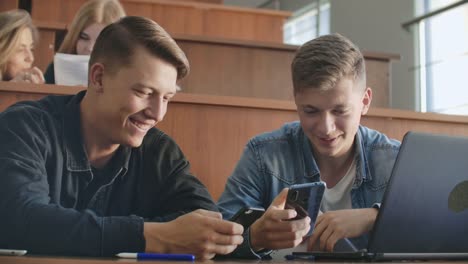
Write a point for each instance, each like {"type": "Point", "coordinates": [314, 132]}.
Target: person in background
{"type": "Point", "coordinates": [18, 36]}
{"type": "Point", "coordinates": [82, 33]}
{"type": "Point", "coordinates": [327, 144]}
{"type": "Point", "coordinates": [90, 175]}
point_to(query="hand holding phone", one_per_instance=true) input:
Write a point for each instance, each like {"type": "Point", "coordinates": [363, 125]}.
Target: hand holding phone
{"type": "Point", "coordinates": [246, 216]}
{"type": "Point", "coordinates": [305, 199]}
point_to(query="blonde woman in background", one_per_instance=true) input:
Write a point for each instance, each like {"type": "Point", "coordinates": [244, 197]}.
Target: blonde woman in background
{"type": "Point", "coordinates": [88, 22]}
{"type": "Point", "coordinates": [17, 38]}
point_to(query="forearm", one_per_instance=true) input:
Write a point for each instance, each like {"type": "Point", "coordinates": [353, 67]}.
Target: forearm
{"type": "Point", "coordinates": [50, 229]}
{"type": "Point", "coordinates": [370, 215]}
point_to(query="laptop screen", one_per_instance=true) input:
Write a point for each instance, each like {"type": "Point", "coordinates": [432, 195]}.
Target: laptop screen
{"type": "Point", "coordinates": [425, 207]}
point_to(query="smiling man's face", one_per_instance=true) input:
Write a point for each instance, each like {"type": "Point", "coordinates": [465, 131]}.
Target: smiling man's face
{"type": "Point", "coordinates": [331, 118]}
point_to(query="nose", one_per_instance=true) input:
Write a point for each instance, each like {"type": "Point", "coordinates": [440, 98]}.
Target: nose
{"type": "Point", "coordinates": [90, 46]}
{"type": "Point", "coordinates": [326, 124]}
{"type": "Point", "coordinates": [29, 56]}
{"type": "Point", "coordinates": [157, 109]}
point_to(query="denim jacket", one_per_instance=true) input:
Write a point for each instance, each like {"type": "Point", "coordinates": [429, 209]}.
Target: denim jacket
{"type": "Point", "coordinates": [45, 171]}
{"type": "Point", "coordinates": [276, 160]}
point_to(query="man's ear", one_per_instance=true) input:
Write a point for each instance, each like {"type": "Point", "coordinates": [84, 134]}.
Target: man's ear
{"type": "Point", "coordinates": [96, 73]}
{"type": "Point", "coordinates": [366, 100]}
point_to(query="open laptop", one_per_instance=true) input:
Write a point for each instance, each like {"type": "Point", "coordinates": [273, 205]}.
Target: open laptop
{"type": "Point", "coordinates": [424, 213]}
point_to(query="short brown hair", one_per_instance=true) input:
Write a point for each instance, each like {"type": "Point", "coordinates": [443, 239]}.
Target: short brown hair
{"type": "Point", "coordinates": [117, 42]}
{"type": "Point", "coordinates": [324, 61]}
{"type": "Point", "coordinates": [94, 11]}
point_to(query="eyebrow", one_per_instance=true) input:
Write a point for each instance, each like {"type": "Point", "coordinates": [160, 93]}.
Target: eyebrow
{"type": "Point", "coordinates": [334, 107]}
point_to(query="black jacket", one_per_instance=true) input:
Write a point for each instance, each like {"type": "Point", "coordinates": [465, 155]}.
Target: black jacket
{"type": "Point", "coordinates": [45, 172]}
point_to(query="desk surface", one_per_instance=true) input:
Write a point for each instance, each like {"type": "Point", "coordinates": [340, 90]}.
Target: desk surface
{"type": "Point", "coordinates": [68, 260]}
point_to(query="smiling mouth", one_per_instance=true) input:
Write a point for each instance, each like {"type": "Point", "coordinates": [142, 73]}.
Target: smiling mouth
{"type": "Point", "coordinates": [141, 125]}
{"type": "Point", "coordinates": [328, 141]}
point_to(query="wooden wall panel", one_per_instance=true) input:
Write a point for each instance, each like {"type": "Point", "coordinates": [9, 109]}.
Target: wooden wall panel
{"type": "Point", "coordinates": [45, 49]}
{"type": "Point", "coordinates": [182, 17]}
{"type": "Point", "coordinates": [379, 79]}
{"type": "Point", "coordinates": [220, 133]}
{"type": "Point", "coordinates": [179, 19]}
{"type": "Point", "coordinates": [244, 26]}
{"type": "Point", "coordinates": [6, 5]}
{"type": "Point", "coordinates": [204, 1]}
{"type": "Point", "coordinates": [233, 70]}
{"type": "Point", "coordinates": [238, 68]}
{"type": "Point", "coordinates": [213, 130]}
{"type": "Point", "coordinates": [55, 11]}
{"type": "Point", "coordinates": [139, 9]}
{"type": "Point", "coordinates": [252, 69]}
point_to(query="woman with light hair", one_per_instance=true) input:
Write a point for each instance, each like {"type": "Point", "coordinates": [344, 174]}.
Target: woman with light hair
{"type": "Point", "coordinates": [82, 33]}
{"type": "Point", "coordinates": [17, 39]}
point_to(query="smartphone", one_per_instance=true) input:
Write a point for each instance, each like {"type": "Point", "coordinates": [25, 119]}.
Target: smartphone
{"type": "Point", "coordinates": [321, 255]}
{"type": "Point", "coordinates": [305, 199]}
{"type": "Point", "coordinates": [246, 216]}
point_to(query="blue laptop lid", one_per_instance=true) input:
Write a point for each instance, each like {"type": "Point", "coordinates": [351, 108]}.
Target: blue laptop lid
{"type": "Point", "coordinates": [425, 207]}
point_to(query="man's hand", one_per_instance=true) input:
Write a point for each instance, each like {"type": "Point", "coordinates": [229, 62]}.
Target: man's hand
{"type": "Point", "coordinates": [274, 231]}
{"type": "Point", "coordinates": [335, 225]}
{"type": "Point", "coordinates": [201, 232]}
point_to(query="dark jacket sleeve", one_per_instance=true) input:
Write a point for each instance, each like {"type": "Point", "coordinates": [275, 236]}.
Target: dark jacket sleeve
{"type": "Point", "coordinates": [28, 218]}
{"type": "Point", "coordinates": [179, 191]}
{"type": "Point", "coordinates": [49, 74]}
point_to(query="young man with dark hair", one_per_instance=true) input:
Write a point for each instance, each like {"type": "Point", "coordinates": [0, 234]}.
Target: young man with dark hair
{"type": "Point", "coordinates": [328, 144]}
{"type": "Point", "coordinates": [89, 174]}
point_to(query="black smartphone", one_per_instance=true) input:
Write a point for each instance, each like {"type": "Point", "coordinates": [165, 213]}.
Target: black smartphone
{"type": "Point", "coordinates": [247, 216]}
{"type": "Point", "coordinates": [305, 199]}
{"type": "Point", "coordinates": [320, 255]}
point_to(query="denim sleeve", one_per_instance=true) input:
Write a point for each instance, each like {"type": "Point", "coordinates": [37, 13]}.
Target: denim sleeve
{"type": "Point", "coordinates": [244, 188]}
{"type": "Point", "coordinates": [28, 218]}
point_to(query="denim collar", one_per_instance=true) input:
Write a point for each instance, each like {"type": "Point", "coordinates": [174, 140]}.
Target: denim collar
{"type": "Point", "coordinates": [76, 156]}
{"type": "Point", "coordinates": [311, 168]}
{"type": "Point", "coordinates": [362, 168]}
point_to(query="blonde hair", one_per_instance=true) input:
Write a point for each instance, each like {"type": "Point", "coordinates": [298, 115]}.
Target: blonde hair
{"type": "Point", "coordinates": [322, 62]}
{"type": "Point", "coordinates": [12, 23]}
{"type": "Point", "coordinates": [94, 11]}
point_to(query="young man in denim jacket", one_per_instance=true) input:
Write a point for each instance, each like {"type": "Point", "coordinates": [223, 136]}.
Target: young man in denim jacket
{"type": "Point", "coordinates": [328, 144]}
{"type": "Point", "coordinates": [89, 175]}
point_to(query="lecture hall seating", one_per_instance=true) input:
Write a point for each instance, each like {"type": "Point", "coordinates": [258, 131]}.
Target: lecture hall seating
{"type": "Point", "coordinates": [229, 66]}
{"type": "Point", "coordinates": [237, 67]}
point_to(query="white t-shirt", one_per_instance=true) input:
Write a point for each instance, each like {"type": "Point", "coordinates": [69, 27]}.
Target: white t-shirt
{"type": "Point", "coordinates": [339, 197]}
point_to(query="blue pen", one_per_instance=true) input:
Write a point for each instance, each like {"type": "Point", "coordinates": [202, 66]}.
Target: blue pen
{"type": "Point", "coordinates": [156, 256]}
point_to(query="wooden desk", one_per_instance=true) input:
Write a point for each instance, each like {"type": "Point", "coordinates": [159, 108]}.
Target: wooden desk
{"type": "Point", "coordinates": [213, 130]}
{"type": "Point", "coordinates": [70, 260]}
